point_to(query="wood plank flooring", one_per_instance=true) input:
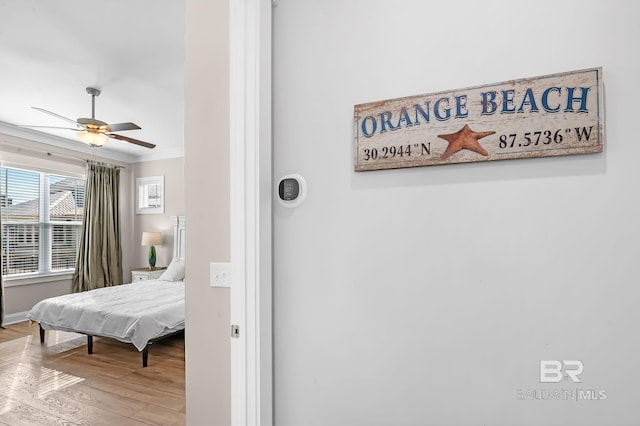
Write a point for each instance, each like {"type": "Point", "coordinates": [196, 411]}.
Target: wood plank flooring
{"type": "Point", "coordinates": [58, 383]}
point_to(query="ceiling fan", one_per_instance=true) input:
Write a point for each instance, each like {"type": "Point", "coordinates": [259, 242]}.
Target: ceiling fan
{"type": "Point", "coordinates": [95, 132]}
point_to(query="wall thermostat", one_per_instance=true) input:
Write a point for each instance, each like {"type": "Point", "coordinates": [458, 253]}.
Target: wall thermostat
{"type": "Point", "coordinates": [292, 190]}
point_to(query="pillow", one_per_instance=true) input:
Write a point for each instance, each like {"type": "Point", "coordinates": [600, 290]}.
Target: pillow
{"type": "Point", "coordinates": [174, 272]}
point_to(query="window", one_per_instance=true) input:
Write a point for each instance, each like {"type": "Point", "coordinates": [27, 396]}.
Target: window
{"type": "Point", "coordinates": [150, 195]}
{"type": "Point", "coordinates": [41, 221]}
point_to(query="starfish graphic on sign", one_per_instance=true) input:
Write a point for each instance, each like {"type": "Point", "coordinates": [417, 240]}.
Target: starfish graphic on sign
{"type": "Point", "coordinates": [464, 138]}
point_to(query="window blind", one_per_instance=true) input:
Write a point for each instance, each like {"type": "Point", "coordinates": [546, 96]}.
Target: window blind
{"type": "Point", "coordinates": [41, 221]}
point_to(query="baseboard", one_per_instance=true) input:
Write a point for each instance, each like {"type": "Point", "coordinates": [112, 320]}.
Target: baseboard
{"type": "Point", "coordinates": [15, 318]}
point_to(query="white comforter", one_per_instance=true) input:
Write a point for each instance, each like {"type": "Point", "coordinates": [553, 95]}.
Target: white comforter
{"type": "Point", "coordinates": [132, 313]}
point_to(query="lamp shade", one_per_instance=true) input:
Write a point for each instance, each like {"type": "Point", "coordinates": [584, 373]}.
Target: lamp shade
{"type": "Point", "coordinates": [151, 238]}
{"type": "Point", "coordinates": [92, 138]}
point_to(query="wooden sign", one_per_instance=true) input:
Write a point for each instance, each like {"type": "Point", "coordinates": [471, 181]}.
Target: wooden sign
{"type": "Point", "coordinates": [559, 114]}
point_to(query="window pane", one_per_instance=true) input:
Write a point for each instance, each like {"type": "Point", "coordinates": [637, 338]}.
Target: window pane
{"type": "Point", "coordinates": [20, 195]}
{"type": "Point", "coordinates": [66, 198]}
{"type": "Point", "coordinates": [64, 246]}
{"type": "Point", "coordinates": [151, 196]}
{"type": "Point", "coordinates": [20, 248]}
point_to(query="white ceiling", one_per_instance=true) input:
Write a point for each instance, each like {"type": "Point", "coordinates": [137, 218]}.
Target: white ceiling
{"type": "Point", "coordinates": [132, 50]}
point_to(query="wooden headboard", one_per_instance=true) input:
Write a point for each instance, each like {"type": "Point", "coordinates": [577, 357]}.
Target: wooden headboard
{"type": "Point", "coordinates": [178, 236]}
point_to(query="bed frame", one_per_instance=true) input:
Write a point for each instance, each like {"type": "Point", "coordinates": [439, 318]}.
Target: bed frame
{"type": "Point", "coordinates": [178, 253]}
{"type": "Point", "coordinates": [145, 351]}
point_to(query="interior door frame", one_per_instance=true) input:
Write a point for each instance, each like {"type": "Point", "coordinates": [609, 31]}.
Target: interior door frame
{"type": "Point", "coordinates": [250, 44]}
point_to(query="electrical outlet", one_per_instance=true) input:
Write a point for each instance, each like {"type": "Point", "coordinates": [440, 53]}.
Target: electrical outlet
{"type": "Point", "coordinates": [220, 275]}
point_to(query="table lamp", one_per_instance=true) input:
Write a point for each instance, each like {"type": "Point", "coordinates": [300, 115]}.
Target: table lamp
{"type": "Point", "coordinates": [152, 239]}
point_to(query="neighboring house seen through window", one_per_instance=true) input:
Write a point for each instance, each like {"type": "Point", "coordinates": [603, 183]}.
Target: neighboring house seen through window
{"type": "Point", "coordinates": [41, 221]}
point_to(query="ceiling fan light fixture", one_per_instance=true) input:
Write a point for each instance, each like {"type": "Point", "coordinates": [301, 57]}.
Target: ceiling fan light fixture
{"type": "Point", "coordinates": [92, 138]}
{"type": "Point", "coordinates": [96, 132]}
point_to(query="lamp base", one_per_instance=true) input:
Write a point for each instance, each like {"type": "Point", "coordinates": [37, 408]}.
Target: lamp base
{"type": "Point", "coordinates": [152, 258]}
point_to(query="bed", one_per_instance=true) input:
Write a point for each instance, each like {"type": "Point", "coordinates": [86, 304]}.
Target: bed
{"type": "Point", "coordinates": [139, 313]}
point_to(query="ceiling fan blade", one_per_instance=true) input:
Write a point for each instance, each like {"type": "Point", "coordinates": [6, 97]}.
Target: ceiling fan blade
{"type": "Point", "coordinates": [56, 115]}
{"type": "Point", "coordinates": [51, 127]}
{"type": "Point", "coordinates": [118, 127]}
{"type": "Point", "coordinates": [131, 140]}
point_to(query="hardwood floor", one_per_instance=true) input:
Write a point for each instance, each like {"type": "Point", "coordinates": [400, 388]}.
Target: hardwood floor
{"type": "Point", "coordinates": [58, 383]}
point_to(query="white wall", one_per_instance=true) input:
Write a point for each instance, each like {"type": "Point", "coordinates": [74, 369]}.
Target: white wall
{"type": "Point", "coordinates": [208, 376]}
{"type": "Point", "coordinates": [429, 295]}
{"type": "Point", "coordinates": [174, 189]}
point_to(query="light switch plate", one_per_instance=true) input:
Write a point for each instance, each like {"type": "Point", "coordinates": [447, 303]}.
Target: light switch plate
{"type": "Point", "coordinates": [220, 275]}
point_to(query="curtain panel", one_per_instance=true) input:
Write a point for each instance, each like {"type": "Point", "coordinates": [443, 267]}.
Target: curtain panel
{"type": "Point", "coordinates": [99, 262]}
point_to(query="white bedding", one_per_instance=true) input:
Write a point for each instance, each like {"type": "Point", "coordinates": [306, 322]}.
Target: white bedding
{"type": "Point", "coordinates": [132, 313]}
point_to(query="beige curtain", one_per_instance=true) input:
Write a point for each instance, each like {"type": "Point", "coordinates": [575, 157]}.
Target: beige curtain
{"type": "Point", "coordinates": [100, 253]}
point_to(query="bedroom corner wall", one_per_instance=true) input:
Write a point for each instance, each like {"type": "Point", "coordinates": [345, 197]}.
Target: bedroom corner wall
{"type": "Point", "coordinates": [174, 193]}
{"type": "Point", "coordinates": [208, 377]}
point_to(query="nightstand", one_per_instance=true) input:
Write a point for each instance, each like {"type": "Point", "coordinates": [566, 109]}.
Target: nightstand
{"type": "Point", "coordinates": [144, 274]}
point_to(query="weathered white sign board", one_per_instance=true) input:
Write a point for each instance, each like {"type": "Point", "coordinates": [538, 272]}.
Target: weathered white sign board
{"type": "Point", "coordinates": [559, 114]}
